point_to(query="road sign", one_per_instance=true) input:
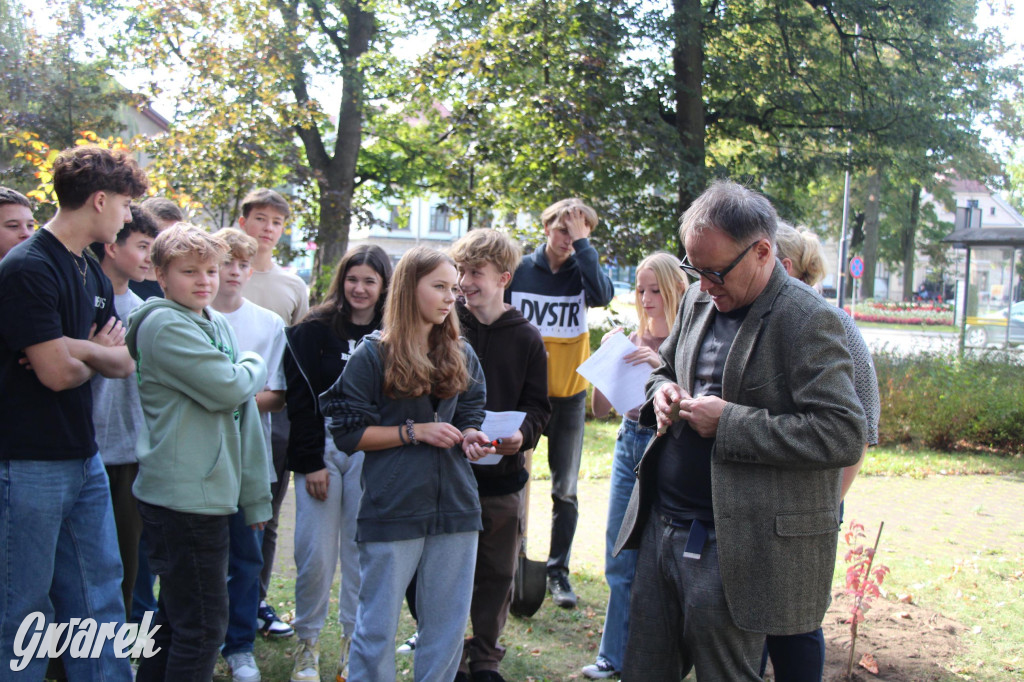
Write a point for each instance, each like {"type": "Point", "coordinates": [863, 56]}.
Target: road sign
{"type": "Point", "coordinates": [857, 267]}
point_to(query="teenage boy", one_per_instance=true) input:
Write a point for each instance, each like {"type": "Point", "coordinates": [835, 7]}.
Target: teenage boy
{"type": "Point", "coordinates": [514, 362]}
{"type": "Point", "coordinates": [165, 212]}
{"type": "Point", "coordinates": [202, 456]}
{"type": "Point", "coordinates": [16, 221]}
{"type": "Point", "coordinates": [58, 542]}
{"type": "Point", "coordinates": [264, 215]}
{"type": "Point", "coordinates": [116, 412]}
{"type": "Point", "coordinates": [553, 288]}
{"type": "Point", "coordinates": [262, 332]}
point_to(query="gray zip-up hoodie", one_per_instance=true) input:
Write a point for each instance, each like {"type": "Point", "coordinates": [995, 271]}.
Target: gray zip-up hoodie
{"type": "Point", "coordinates": [410, 491]}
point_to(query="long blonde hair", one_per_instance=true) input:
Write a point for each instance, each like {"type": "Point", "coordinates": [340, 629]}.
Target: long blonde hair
{"type": "Point", "coordinates": [803, 249]}
{"type": "Point", "coordinates": [408, 371]}
{"type": "Point", "coordinates": [671, 281]}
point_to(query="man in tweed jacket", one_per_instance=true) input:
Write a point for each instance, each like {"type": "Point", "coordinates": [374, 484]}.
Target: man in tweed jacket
{"type": "Point", "coordinates": [736, 507]}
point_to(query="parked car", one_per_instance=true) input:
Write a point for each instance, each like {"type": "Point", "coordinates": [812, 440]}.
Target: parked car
{"type": "Point", "coordinates": [990, 329]}
{"type": "Point", "coordinates": [622, 288]}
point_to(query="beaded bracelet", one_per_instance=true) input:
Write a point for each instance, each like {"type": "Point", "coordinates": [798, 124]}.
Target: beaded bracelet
{"type": "Point", "coordinates": [411, 432]}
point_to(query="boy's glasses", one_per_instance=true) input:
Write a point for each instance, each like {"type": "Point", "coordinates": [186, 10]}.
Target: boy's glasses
{"type": "Point", "coordinates": [713, 276]}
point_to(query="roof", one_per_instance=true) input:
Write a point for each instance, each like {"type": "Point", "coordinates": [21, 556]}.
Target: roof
{"type": "Point", "coordinates": [992, 236]}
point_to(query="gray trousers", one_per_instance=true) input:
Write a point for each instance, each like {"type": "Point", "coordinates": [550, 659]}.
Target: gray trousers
{"type": "Point", "coordinates": [444, 567]}
{"type": "Point", "coordinates": [678, 616]}
{"type": "Point", "coordinates": [324, 532]}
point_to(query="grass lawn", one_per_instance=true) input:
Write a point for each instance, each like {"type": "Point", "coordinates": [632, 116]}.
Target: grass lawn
{"type": "Point", "coordinates": [954, 542]}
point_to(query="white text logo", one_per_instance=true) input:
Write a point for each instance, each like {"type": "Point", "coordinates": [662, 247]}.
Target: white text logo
{"type": "Point", "coordinates": [81, 638]}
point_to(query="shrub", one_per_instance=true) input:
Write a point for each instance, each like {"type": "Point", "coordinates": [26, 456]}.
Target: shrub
{"type": "Point", "coordinates": [942, 402]}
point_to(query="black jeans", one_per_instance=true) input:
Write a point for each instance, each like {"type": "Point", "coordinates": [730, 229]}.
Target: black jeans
{"type": "Point", "coordinates": [190, 554]}
{"type": "Point", "coordinates": [565, 448]}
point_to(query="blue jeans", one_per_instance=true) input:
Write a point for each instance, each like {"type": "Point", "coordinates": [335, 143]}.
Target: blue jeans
{"type": "Point", "coordinates": [59, 556]}
{"type": "Point", "coordinates": [565, 447]}
{"type": "Point", "coordinates": [190, 554]}
{"type": "Point", "coordinates": [618, 571]}
{"type": "Point", "coordinates": [245, 561]}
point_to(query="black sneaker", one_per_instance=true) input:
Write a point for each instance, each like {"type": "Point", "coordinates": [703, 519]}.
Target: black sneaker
{"type": "Point", "coordinates": [561, 590]}
{"type": "Point", "coordinates": [269, 624]}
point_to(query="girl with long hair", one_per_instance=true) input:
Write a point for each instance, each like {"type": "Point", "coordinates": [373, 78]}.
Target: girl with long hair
{"type": "Point", "coordinates": [412, 398]}
{"type": "Point", "coordinates": [327, 480]}
{"type": "Point", "coordinates": [660, 284]}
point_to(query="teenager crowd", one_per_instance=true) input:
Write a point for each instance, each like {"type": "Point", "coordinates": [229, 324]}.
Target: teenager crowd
{"type": "Point", "coordinates": [161, 385]}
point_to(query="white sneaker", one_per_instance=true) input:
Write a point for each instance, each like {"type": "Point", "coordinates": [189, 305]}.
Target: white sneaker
{"type": "Point", "coordinates": [243, 667]}
{"type": "Point", "coordinates": [409, 645]}
{"type": "Point", "coordinates": [600, 669]}
{"type": "Point", "coordinates": [307, 661]}
{"type": "Point", "coordinates": [342, 675]}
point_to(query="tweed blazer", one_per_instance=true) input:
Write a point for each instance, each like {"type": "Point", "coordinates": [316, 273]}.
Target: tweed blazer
{"type": "Point", "coordinates": [791, 423]}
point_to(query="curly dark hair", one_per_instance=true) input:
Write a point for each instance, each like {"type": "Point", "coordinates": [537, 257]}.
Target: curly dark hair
{"type": "Point", "coordinates": [80, 172]}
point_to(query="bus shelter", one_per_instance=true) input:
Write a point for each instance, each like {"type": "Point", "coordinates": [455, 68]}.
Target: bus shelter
{"type": "Point", "coordinates": [989, 305]}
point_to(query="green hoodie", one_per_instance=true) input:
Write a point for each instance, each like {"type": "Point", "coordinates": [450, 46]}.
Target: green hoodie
{"type": "Point", "coordinates": [201, 448]}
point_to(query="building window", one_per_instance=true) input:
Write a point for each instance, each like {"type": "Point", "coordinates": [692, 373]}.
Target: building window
{"type": "Point", "coordinates": [972, 203]}
{"type": "Point", "coordinates": [991, 210]}
{"type": "Point", "coordinates": [439, 218]}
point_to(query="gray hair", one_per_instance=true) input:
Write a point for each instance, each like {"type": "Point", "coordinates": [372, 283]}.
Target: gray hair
{"type": "Point", "coordinates": [739, 212]}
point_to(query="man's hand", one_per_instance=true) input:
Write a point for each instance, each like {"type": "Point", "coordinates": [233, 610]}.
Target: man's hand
{"type": "Point", "coordinates": [666, 405]}
{"type": "Point", "coordinates": [317, 483]}
{"type": "Point", "coordinates": [111, 335]}
{"type": "Point", "coordinates": [576, 224]}
{"type": "Point", "coordinates": [703, 414]}
{"type": "Point", "coordinates": [510, 445]}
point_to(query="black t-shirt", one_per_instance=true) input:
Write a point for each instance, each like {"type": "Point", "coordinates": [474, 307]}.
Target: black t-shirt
{"type": "Point", "coordinates": [42, 298]}
{"type": "Point", "coordinates": [684, 468]}
{"type": "Point", "coordinates": [147, 288]}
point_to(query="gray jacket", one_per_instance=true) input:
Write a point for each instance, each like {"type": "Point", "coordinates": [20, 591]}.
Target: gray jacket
{"type": "Point", "coordinates": [792, 422]}
{"type": "Point", "coordinates": [410, 491]}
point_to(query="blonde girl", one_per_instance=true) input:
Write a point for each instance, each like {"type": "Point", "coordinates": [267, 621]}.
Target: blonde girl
{"type": "Point", "coordinates": [660, 284]}
{"type": "Point", "coordinates": [412, 398]}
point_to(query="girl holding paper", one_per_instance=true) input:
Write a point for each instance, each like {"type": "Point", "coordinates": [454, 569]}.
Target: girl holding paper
{"type": "Point", "coordinates": [659, 286]}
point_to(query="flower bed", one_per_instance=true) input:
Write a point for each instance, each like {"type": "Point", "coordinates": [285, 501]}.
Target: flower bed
{"type": "Point", "coordinates": [901, 312]}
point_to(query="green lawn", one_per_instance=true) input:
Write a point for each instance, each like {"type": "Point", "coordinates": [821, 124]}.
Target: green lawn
{"type": "Point", "coordinates": [954, 541]}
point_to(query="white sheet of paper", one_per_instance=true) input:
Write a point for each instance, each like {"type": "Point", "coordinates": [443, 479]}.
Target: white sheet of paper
{"type": "Point", "coordinates": [622, 383]}
{"type": "Point", "coordinates": [499, 425]}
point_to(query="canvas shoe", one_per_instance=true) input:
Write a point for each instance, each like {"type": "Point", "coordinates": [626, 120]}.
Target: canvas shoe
{"type": "Point", "coordinates": [243, 667]}
{"type": "Point", "coordinates": [307, 661]}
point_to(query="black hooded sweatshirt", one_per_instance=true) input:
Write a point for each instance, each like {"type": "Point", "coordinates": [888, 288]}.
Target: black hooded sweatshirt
{"type": "Point", "coordinates": [515, 366]}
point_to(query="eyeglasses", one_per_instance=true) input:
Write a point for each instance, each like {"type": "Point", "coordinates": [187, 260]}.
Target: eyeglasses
{"type": "Point", "coordinates": [713, 276]}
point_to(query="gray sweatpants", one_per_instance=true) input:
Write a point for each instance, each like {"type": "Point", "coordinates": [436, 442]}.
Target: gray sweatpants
{"type": "Point", "coordinates": [444, 566]}
{"type": "Point", "coordinates": [324, 531]}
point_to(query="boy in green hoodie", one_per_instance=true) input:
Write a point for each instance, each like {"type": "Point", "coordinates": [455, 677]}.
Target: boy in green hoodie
{"type": "Point", "coordinates": [201, 452]}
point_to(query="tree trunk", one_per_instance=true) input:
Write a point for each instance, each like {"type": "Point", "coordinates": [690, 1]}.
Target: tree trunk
{"type": "Point", "coordinates": [872, 218]}
{"type": "Point", "coordinates": [909, 243]}
{"type": "Point", "coordinates": [688, 66]}
{"type": "Point", "coordinates": [335, 172]}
